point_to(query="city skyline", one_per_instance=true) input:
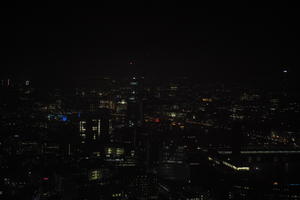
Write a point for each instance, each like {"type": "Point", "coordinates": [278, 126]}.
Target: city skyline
{"type": "Point", "coordinates": [158, 101]}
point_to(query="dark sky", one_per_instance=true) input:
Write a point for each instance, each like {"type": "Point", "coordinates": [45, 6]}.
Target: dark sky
{"type": "Point", "coordinates": [211, 41]}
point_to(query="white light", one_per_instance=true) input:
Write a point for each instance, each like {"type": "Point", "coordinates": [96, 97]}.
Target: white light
{"type": "Point", "coordinates": [285, 71]}
{"type": "Point", "coordinates": [243, 168]}
{"type": "Point", "coordinates": [99, 127]}
{"type": "Point", "coordinates": [82, 126]}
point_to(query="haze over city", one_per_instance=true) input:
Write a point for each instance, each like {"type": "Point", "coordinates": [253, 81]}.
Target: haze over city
{"type": "Point", "coordinates": [149, 101]}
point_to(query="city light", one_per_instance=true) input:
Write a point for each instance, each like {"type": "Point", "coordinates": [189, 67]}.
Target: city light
{"type": "Point", "coordinates": [196, 104]}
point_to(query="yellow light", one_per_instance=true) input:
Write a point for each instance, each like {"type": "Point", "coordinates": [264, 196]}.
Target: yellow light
{"type": "Point", "coordinates": [243, 168]}
{"type": "Point", "coordinates": [119, 151]}
{"type": "Point", "coordinates": [95, 175]}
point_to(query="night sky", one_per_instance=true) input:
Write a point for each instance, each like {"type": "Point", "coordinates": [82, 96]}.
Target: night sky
{"type": "Point", "coordinates": [209, 41]}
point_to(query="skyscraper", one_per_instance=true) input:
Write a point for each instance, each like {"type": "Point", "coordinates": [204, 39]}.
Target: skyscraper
{"type": "Point", "coordinates": [135, 104]}
{"type": "Point", "coordinates": [95, 126]}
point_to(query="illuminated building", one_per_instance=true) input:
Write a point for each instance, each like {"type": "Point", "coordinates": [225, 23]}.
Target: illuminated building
{"type": "Point", "coordinates": [134, 103]}
{"type": "Point", "coordinates": [121, 106]}
{"type": "Point", "coordinates": [96, 126]}
{"type": "Point", "coordinates": [173, 165]}
{"type": "Point", "coordinates": [114, 152]}
{"type": "Point", "coordinates": [107, 104]}
{"type": "Point", "coordinates": [145, 186]}
{"type": "Point", "coordinates": [95, 175]}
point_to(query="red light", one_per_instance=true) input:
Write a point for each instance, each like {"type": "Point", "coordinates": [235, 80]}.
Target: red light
{"type": "Point", "coordinates": [157, 120]}
{"type": "Point", "coordinates": [45, 178]}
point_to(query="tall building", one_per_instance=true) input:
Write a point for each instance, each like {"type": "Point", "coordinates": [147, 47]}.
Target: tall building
{"type": "Point", "coordinates": [134, 102]}
{"type": "Point", "coordinates": [95, 126]}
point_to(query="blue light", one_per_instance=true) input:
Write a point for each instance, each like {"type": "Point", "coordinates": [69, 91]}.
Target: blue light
{"type": "Point", "coordinates": [64, 118]}
{"type": "Point", "coordinates": [79, 115]}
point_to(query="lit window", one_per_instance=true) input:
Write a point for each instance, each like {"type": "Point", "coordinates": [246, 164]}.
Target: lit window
{"type": "Point", "coordinates": [82, 128]}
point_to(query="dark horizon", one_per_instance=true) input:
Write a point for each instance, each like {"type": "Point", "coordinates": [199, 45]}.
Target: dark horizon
{"type": "Point", "coordinates": [216, 43]}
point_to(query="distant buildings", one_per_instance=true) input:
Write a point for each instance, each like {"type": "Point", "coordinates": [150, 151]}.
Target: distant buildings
{"type": "Point", "coordinates": [133, 139]}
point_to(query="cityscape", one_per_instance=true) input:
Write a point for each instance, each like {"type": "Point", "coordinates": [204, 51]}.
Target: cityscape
{"type": "Point", "coordinates": [141, 139]}
{"type": "Point", "coordinates": [176, 102]}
